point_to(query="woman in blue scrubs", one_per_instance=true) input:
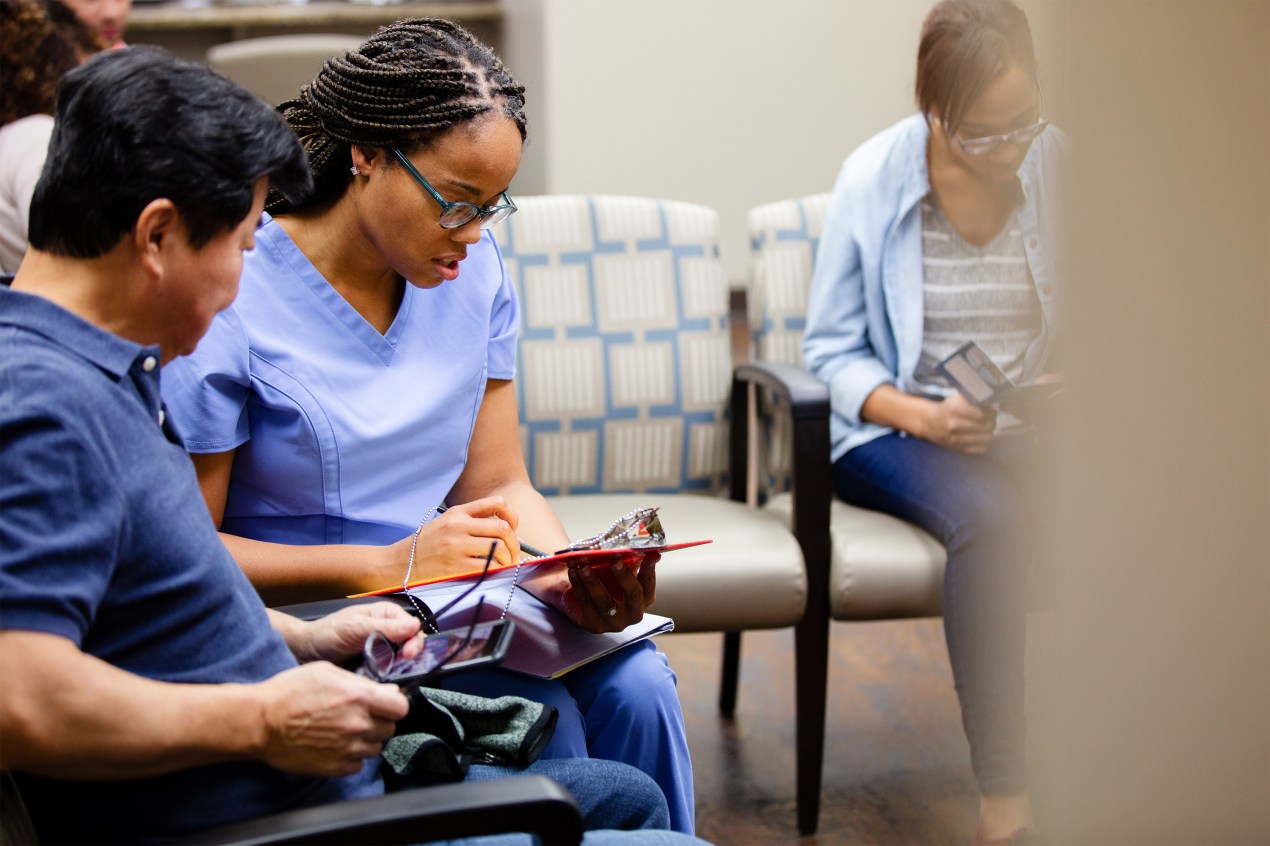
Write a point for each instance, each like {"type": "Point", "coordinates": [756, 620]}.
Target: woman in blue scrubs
{"type": "Point", "coordinates": [364, 377]}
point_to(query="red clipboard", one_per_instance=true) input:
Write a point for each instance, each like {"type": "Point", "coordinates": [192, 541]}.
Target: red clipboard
{"type": "Point", "coordinates": [588, 557]}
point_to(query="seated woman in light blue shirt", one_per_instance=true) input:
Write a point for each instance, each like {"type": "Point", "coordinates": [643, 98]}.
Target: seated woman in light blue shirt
{"type": "Point", "coordinates": [363, 377]}
{"type": "Point", "coordinates": [942, 230]}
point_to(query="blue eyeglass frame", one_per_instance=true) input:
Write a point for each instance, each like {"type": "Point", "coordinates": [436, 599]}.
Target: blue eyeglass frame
{"type": "Point", "coordinates": [488, 215]}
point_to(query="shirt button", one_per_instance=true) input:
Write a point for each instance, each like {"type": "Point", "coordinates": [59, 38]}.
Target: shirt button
{"type": "Point", "coordinates": [1032, 243]}
{"type": "Point", "coordinates": [162, 416]}
{"type": "Point", "coordinates": [149, 364]}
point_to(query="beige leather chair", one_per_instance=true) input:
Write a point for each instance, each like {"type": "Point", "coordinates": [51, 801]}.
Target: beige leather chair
{"type": "Point", "coordinates": [875, 566]}
{"type": "Point", "coordinates": [623, 384]}
{"type": "Point", "coordinates": [275, 67]}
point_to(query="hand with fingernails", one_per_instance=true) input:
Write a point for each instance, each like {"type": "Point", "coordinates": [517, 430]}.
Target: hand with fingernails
{"type": "Point", "coordinates": [610, 598]}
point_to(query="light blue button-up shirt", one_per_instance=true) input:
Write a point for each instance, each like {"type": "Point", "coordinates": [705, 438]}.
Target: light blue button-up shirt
{"type": "Point", "coordinates": [865, 311]}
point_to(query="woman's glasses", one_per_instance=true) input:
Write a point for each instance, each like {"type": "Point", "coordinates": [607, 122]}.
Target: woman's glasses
{"type": "Point", "coordinates": [454, 215]}
{"type": "Point", "coordinates": [1023, 135]}
{"type": "Point", "coordinates": [986, 144]}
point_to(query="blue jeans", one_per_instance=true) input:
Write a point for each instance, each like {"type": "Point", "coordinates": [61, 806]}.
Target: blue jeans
{"type": "Point", "coordinates": [620, 805]}
{"type": "Point", "coordinates": [623, 707]}
{"type": "Point", "coordinates": [976, 507]}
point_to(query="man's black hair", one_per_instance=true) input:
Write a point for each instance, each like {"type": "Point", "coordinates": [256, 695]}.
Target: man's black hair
{"type": "Point", "coordinates": [136, 125]}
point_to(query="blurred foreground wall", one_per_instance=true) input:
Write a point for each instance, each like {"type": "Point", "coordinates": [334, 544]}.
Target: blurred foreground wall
{"type": "Point", "coordinates": [1151, 682]}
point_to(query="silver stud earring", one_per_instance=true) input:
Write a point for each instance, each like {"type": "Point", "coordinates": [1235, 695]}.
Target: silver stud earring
{"type": "Point", "coordinates": [353, 170]}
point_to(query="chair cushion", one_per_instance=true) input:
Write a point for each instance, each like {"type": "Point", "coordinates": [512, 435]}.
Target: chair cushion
{"type": "Point", "coordinates": [751, 576]}
{"type": "Point", "coordinates": [880, 566]}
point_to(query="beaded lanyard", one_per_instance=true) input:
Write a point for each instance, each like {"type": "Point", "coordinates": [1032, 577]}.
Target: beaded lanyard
{"type": "Point", "coordinates": [424, 613]}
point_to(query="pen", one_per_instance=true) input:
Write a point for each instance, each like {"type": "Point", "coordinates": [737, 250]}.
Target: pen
{"type": "Point", "coordinates": [524, 547]}
{"type": "Point", "coordinates": [534, 551]}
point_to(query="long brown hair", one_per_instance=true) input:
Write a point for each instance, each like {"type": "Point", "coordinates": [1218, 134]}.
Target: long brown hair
{"type": "Point", "coordinates": [965, 45]}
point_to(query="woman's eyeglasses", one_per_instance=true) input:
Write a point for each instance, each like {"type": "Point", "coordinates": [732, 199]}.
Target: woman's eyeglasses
{"type": "Point", "coordinates": [454, 215]}
{"type": "Point", "coordinates": [986, 144]}
{"type": "Point", "coordinates": [1023, 135]}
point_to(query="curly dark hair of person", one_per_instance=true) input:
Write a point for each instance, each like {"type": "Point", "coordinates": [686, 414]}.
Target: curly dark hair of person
{"type": "Point", "coordinates": [39, 41]}
{"type": "Point", "coordinates": [405, 86]}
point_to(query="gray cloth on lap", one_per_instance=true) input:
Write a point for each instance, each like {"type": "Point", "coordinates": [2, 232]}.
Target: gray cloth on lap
{"type": "Point", "coordinates": [445, 731]}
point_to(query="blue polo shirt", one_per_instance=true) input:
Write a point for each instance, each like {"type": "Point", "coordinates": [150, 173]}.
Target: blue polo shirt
{"type": "Point", "coordinates": [105, 540]}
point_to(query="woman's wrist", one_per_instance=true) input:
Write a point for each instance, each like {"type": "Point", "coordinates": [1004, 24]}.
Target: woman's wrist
{"type": "Point", "coordinates": [387, 566]}
{"type": "Point", "coordinates": [889, 406]}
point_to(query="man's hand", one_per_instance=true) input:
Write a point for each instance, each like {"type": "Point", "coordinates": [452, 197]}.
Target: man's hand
{"type": "Point", "coordinates": [321, 720]}
{"type": "Point", "coordinates": [341, 636]}
{"type": "Point", "coordinates": [958, 425]}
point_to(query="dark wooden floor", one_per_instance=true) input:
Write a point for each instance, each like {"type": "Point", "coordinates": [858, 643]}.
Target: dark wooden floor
{"type": "Point", "coordinates": [897, 768]}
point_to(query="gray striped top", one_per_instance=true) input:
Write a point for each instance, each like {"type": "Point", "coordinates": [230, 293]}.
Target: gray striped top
{"type": "Point", "coordinates": [981, 294]}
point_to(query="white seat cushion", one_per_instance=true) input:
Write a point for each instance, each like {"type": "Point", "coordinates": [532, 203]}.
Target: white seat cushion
{"type": "Point", "coordinates": [880, 566]}
{"type": "Point", "coordinates": [751, 576]}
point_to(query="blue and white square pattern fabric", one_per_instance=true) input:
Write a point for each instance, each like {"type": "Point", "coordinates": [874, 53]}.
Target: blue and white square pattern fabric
{"type": "Point", "coordinates": [784, 237]}
{"type": "Point", "coordinates": [783, 241]}
{"type": "Point", "coordinates": [624, 349]}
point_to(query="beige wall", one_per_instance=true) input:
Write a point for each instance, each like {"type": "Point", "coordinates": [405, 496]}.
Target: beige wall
{"type": "Point", "coordinates": [730, 103]}
{"type": "Point", "coordinates": [1153, 687]}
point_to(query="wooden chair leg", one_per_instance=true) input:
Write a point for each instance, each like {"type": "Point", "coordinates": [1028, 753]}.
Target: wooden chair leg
{"type": "Point", "coordinates": [731, 671]}
{"type": "Point", "coordinates": [811, 647]}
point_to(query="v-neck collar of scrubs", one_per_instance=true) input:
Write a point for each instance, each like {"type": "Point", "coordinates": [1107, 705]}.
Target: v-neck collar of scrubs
{"type": "Point", "coordinates": [383, 346]}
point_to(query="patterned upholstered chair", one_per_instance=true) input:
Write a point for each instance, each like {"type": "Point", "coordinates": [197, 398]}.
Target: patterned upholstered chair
{"type": "Point", "coordinates": [875, 566]}
{"type": "Point", "coordinates": [624, 372]}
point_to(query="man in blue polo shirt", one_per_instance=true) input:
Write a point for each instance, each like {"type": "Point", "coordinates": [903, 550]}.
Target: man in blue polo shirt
{"type": "Point", "coordinates": [145, 685]}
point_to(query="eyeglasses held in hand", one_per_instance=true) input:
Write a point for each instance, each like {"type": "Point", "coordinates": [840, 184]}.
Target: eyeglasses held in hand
{"type": "Point", "coordinates": [454, 215]}
{"type": "Point", "coordinates": [479, 643]}
{"type": "Point", "coordinates": [429, 617]}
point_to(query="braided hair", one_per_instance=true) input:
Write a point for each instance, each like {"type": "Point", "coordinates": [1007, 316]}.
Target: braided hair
{"type": "Point", "coordinates": [408, 84]}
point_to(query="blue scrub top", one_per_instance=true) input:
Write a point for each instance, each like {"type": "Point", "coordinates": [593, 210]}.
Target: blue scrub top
{"type": "Point", "coordinates": [343, 435]}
